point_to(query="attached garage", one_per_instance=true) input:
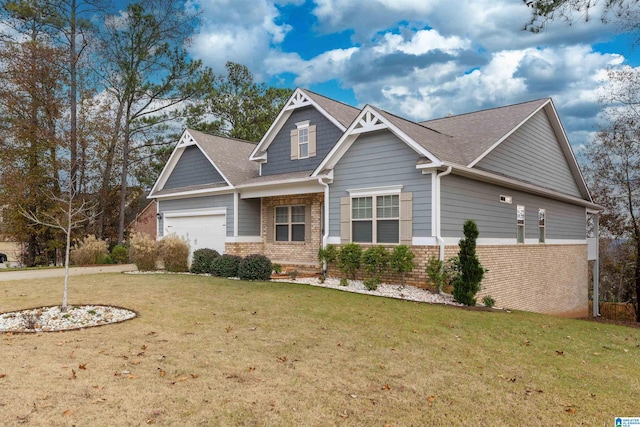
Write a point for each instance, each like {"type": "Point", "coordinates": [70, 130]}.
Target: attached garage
{"type": "Point", "coordinates": [201, 228]}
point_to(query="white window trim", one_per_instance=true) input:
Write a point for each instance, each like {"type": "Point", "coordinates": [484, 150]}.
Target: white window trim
{"type": "Point", "coordinates": [300, 126]}
{"type": "Point", "coordinates": [374, 212]}
{"type": "Point", "coordinates": [375, 191]}
{"type": "Point", "coordinates": [289, 224]}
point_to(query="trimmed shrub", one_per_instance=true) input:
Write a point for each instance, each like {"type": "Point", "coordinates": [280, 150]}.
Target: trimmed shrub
{"type": "Point", "coordinates": [226, 265]}
{"type": "Point", "coordinates": [375, 261]}
{"type": "Point", "coordinates": [255, 267]}
{"type": "Point", "coordinates": [401, 261]}
{"type": "Point", "coordinates": [327, 255]}
{"type": "Point", "coordinates": [143, 252]}
{"type": "Point", "coordinates": [105, 259]}
{"type": "Point", "coordinates": [349, 258]}
{"type": "Point", "coordinates": [488, 301]}
{"type": "Point", "coordinates": [89, 251]}
{"type": "Point", "coordinates": [438, 277]}
{"type": "Point", "coordinates": [174, 252]}
{"type": "Point", "coordinates": [470, 272]}
{"type": "Point", "coordinates": [371, 283]}
{"type": "Point", "coordinates": [202, 261]}
{"type": "Point", "coordinates": [120, 254]}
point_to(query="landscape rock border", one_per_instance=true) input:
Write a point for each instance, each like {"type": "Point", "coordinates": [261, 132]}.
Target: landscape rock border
{"type": "Point", "coordinates": [52, 319]}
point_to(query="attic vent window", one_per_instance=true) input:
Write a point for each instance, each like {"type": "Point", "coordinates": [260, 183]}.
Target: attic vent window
{"type": "Point", "coordinates": [505, 199]}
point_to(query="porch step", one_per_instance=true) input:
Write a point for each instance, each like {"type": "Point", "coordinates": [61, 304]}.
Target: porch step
{"type": "Point", "coordinates": [304, 270]}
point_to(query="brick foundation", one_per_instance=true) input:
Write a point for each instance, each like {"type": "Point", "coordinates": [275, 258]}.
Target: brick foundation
{"type": "Point", "coordinates": [549, 279]}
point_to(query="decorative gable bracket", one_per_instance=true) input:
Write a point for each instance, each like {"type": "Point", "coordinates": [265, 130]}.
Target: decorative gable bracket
{"type": "Point", "coordinates": [186, 140]}
{"type": "Point", "coordinates": [299, 99]}
{"type": "Point", "coordinates": [369, 122]}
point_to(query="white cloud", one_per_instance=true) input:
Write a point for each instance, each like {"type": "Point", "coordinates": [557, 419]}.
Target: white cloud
{"type": "Point", "coordinates": [242, 31]}
{"type": "Point", "coordinates": [420, 59]}
{"type": "Point", "coordinates": [421, 42]}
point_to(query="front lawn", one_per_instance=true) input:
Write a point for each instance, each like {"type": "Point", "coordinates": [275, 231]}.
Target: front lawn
{"type": "Point", "coordinates": [208, 351]}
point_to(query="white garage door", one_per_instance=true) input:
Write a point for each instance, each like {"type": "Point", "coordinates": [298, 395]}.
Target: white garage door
{"type": "Point", "coordinates": [201, 231]}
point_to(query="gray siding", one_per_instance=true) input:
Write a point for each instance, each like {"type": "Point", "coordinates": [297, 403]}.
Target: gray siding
{"type": "Point", "coordinates": [193, 168]}
{"type": "Point", "coordinates": [279, 152]}
{"type": "Point", "coordinates": [221, 201]}
{"type": "Point", "coordinates": [533, 154]}
{"type": "Point", "coordinates": [249, 217]}
{"type": "Point", "coordinates": [381, 159]}
{"type": "Point", "coordinates": [463, 199]}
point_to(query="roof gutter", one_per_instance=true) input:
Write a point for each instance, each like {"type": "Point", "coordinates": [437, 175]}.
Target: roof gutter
{"type": "Point", "coordinates": [437, 208]}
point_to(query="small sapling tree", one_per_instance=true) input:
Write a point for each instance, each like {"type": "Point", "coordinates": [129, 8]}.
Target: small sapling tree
{"type": "Point", "coordinates": [401, 261]}
{"type": "Point", "coordinates": [349, 259]}
{"type": "Point", "coordinates": [376, 261]}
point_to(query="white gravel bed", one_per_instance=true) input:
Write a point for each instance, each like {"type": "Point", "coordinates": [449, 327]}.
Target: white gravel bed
{"type": "Point", "coordinates": [50, 319]}
{"type": "Point", "coordinates": [411, 293]}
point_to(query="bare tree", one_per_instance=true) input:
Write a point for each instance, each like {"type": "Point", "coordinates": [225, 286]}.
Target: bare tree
{"type": "Point", "coordinates": [613, 167]}
{"type": "Point", "coordinates": [70, 213]}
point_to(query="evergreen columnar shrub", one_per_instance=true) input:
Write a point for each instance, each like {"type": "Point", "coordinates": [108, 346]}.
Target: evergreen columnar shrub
{"type": "Point", "coordinates": [401, 261]}
{"type": "Point", "coordinates": [349, 258]}
{"type": "Point", "coordinates": [174, 252]}
{"type": "Point", "coordinates": [375, 261]}
{"type": "Point", "coordinates": [226, 265]}
{"type": "Point", "coordinates": [89, 250]}
{"type": "Point", "coordinates": [202, 262]}
{"type": "Point", "coordinates": [470, 272]}
{"type": "Point", "coordinates": [143, 252]}
{"type": "Point", "coordinates": [120, 254]}
{"type": "Point", "coordinates": [255, 267]}
{"type": "Point", "coordinates": [327, 255]}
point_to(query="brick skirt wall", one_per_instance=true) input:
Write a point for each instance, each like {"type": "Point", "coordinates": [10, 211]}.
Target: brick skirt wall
{"type": "Point", "coordinates": [549, 279]}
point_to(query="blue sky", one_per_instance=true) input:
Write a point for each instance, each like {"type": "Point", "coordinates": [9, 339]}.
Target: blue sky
{"type": "Point", "coordinates": [418, 59]}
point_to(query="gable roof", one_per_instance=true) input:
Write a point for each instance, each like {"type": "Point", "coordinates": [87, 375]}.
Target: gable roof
{"type": "Point", "coordinates": [460, 141]}
{"type": "Point", "coordinates": [476, 133]}
{"type": "Point", "coordinates": [229, 156]}
{"type": "Point", "coordinates": [344, 113]}
{"type": "Point", "coordinates": [336, 112]}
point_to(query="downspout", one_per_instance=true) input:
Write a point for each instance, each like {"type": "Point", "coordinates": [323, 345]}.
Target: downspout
{"type": "Point", "coordinates": [325, 235]}
{"type": "Point", "coordinates": [438, 235]}
{"type": "Point", "coordinates": [596, 267]}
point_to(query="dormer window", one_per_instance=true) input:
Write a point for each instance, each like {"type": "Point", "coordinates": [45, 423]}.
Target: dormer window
{"type": "Point", "coordinates": [303, 141]}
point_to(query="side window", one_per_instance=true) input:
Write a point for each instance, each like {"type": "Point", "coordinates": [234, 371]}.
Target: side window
{"type": "Point", "coordinates": [542, 225]}
{"type": "Point", "coordinates": [520, 224]}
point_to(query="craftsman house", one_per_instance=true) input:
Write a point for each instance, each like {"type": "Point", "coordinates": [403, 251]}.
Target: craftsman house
{"type": "Point", "coordinates": [326, 172]}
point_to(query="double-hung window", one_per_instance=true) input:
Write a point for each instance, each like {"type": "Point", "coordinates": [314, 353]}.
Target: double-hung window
{"type": "Point", "coordinates": [303, 142]}
{"type": "Point", "coordinates": [290, 223]}
{"type": "Point", "coordinates": [375, 219]}
{"type": "Point", "coordinates": [542, 225]}
{"type": "Point", "coordinates": [520, 224]}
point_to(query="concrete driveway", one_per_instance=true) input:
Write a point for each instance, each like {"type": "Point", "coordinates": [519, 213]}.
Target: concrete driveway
{"type": "Point", "coordinates": [6, 274]}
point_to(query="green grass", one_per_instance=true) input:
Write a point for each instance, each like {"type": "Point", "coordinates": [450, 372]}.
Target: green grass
{"type": "Point", "coordinates": [224, 352]}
